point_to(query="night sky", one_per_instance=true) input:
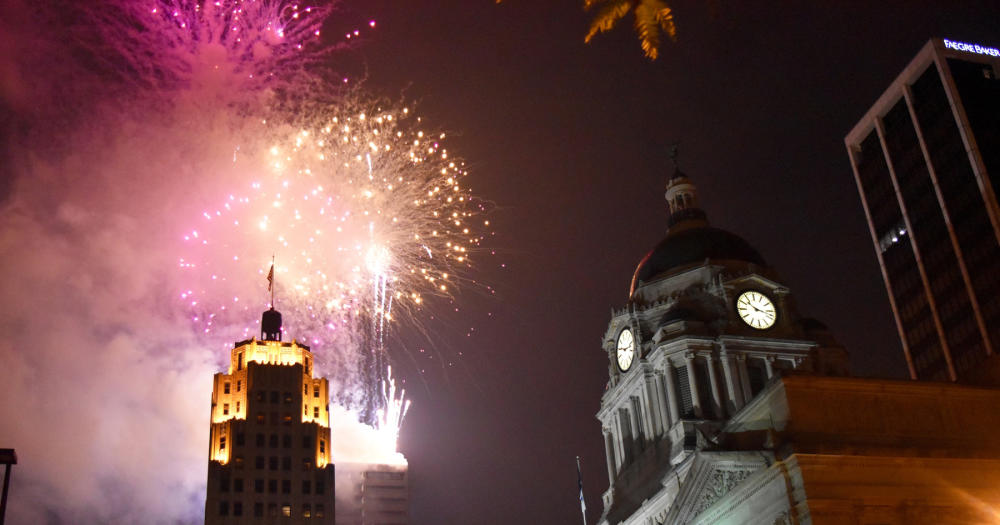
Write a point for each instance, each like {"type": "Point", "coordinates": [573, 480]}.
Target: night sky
{"type": "Point", "coordinates": [570, 142]}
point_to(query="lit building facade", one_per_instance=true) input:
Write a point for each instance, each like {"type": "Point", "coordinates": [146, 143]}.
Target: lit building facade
{"type": "Point", "coordinates": [372, 494]}
{"type": "Point", "coordinates": [725, 406]}
{"type": "Point", "coordinates": [926, 159]}
{"type": "Point", "coordinates": [269, 448]}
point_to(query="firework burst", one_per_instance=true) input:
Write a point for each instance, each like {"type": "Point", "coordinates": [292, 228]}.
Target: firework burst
{"type": "Point", "coordinates": [369, 219]}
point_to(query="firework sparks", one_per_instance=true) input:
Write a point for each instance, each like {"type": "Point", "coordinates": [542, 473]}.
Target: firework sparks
{"type": "Point", "coordinates": [369, 219]}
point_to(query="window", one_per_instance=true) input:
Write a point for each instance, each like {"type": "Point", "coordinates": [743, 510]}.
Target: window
{"type": "Point", "coordinates": [260, 396]}
{"type": "Point", "coordinates": [305, 410]}
{"type": "Point", "coordinates": [272, 463]}
{"type": "Point", "coordinates": [238, 461]}
{"type": "Point", "coordinates": [258, 486]}
{"type": "Point", "coordinates": [272, 510]}
{"type": "Point", "coordinates": [225, 409]}
{"type": "Point", "coordinates": [287, 419]}
{"type": "Point", "coordinates": [239, 365]}
{"type": "Point", "coordinates": [225, 387]}
{"type": "Point", "coordinates": [237, 509]}
{"type": "Point", "coordinates": [224, 484]}
{"type": "Point", "coordinates": [286, 486]}
{"type": "Point", "coordinates": [319, 510]}
{"type": "Point", "coordinates": [223, 508]}
{"type": "Point", "coordinates": [272, 486]}
{"type": "Point", "coordinates": [222, 442]}
{"type": "Point", "coordinates": [260, 419]}
{"type": "Point", "coordinates": [241, 439]}
{"type": "Point", "coordinates": [274, 441]}
{"type": "Point", "coordinates": [258, 510]}
{"type": "Point", "coordinates": [288, 397]}
{"type": "Point", "coordinates": [286, 463]}
{"type": "Point", "coordinates": [306, 486]}
{"type": "Point", "coordinates": [320, 487]}
{"type": "Point", "coordinates": [259, 462]}
{"type": "Point", "coordinates": [307, 442]}
{"type": "Point", "coordinates": [260, 439]}
{"type": "Point", "coordinates": [286, 441]}
{"type": "Point", "coordinates": [239, 385]}
{"type": "Point", "coordinates": [274, 396]}
{"type": "Point", "coordinates": [316, 391]}
{"type": "Point", "coordinates": [306, 511]}
{"type": "Point", "coordinates": [286, 510]}
{"type": "Point", "coordinates": [316, 412]}
{"type": "Point", "coordinates": [306, 464]}
{"type": "Point", "coordinates": [238, 485]}
{"type": "Point", "coordinates": [322, 446]}
{"type": "Point", "coordinates": [305, 389]}
{"type": "Point", "coordinates": [237, 406]}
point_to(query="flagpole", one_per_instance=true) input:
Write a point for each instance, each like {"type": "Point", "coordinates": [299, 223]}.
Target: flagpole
{"type": "Point", "coordinates": [270, 285]}
{"type": "Point", "coordinates": [579, 479]}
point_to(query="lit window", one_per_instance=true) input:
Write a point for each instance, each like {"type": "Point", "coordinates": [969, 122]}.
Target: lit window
{"type": "Point", "coordinates": [287, 419]}
{"type": "Point", "coordinates": [306, 511]}
{"type": "Point", "coordinates": [319, 510]}
{"type": "Point", "coordinates": [239, 461]}
{"type": "Point", "coordinates": [306, 464]}
{"type": "Point", "coordinates": [260, 419]}
{"type": "Point", "coordinates": [225, 387]}
{"type": "Point", "coordinates": [286, 510]}
{"type": "Point", "coordinates": [288, 397]}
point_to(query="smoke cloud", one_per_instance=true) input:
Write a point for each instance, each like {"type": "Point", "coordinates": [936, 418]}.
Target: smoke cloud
{"type": "Point", "coordinates": [106, 382]}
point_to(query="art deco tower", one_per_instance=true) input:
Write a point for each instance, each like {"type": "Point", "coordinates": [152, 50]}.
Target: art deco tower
{"type": "Point", "coordinates": [269, 453]}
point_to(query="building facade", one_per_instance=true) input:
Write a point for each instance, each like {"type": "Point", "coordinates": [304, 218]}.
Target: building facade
{"type": "Point", "coordinates": [372, 494]}
{"type": "Point", "coordinates": [269, 460]}
{"type": "Point", "coordinates": [707, 325]}
{"type": "Point", "coordinates": [926, 159]}
{"type": "Point", "coordinates": [725, 406]}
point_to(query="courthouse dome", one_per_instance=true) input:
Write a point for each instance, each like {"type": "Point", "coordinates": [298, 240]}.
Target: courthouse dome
{"type": "Point", "coordinates": [692, 246]}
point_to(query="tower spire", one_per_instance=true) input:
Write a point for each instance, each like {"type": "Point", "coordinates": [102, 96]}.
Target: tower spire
{"type": "Point", "coordinates": [682, 196]}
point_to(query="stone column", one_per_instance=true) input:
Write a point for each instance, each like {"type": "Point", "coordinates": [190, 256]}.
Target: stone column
{"type": "Point", "coordinates": [713, 378]}
{"type": "Point", "coordinates": [693, 384]}
{"type": "Point", "coordinates": [609, 451]}
{"type": "Point", "coordinates": [661, 401]}
{"type": "Point", "coordinates": [668, 374]}
{"type": "Point", "coordinates": [769, 366]}
{"type": "Point", "coordinates": [741, 365]}
{"type": "Point", "coordinates": [732, 381]}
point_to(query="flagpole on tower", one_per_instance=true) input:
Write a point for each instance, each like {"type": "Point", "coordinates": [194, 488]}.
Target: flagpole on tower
{"type": "Point", "coordinates": [270, 281]}
{"type": "Point", "coordinates": [579, 479]}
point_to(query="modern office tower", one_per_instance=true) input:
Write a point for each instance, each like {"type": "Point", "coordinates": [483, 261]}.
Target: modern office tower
{"type": "Point", "coordinates": [926, 159]}
{"type": "Point", "coordinates": [269, 455]}
{"type": "Point", "coordinates": [372, 494]}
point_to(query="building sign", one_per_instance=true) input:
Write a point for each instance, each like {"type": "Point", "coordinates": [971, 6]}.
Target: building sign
{"type": "Point", "coordinates": [971, 48]}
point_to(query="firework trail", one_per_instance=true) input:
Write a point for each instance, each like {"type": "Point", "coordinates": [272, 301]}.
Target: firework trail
{"type": "Point", "coordinates": [369, 218]}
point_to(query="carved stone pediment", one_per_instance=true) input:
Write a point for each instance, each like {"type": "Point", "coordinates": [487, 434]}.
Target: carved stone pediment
{"type": "Point", "coordinates": [711, 477]}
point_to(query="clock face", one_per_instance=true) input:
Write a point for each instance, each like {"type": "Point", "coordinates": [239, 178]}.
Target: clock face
{"type": "Point", "coordinates": [756, 310]}
{"type": "Point", "coordinates": [626, 349]}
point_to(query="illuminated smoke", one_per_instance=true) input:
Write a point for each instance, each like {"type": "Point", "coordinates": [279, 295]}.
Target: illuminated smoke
{"type": "Point", "coordinates": [126, 126]}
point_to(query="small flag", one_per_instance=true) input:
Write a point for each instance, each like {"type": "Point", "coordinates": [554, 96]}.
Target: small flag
{"type": "Point", "coordinates": [579, 480]}
{"type": "Point", "coordinates": [270, 278]}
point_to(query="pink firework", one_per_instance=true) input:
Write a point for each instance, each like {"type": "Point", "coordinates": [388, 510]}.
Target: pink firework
{"type": "Point", "coordinates": [223, 46]}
